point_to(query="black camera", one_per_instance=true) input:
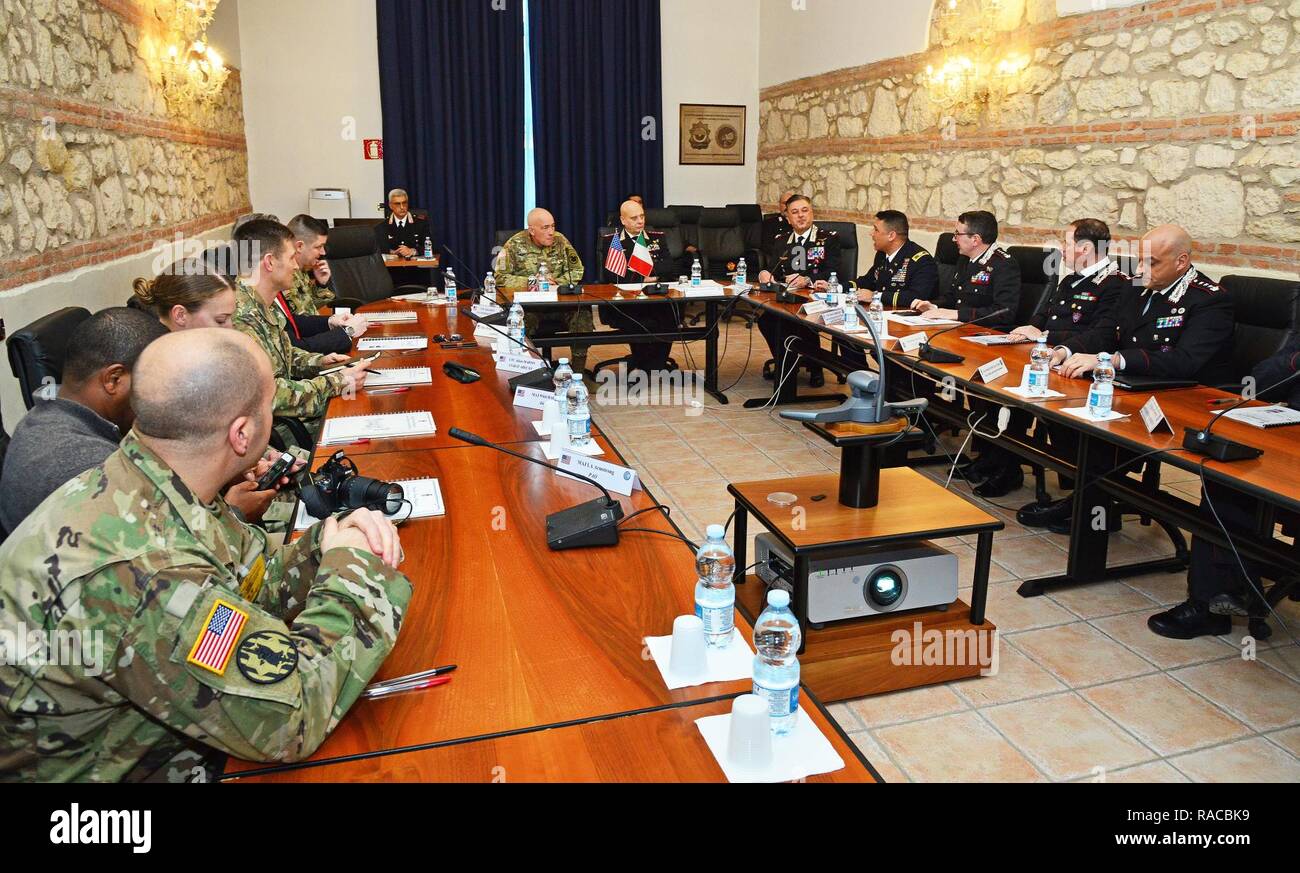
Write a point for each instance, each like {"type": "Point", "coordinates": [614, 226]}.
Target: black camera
{"type": "Point", "coordinates": [337, 487]}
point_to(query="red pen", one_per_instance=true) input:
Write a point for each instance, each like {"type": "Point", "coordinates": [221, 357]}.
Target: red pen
{"type": "Point", "coordinates": [365, 442]}
{"type": "Point", "coordinates": [381, 392]}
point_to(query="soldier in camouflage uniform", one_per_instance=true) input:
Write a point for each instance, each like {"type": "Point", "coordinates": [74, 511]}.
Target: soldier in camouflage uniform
{"type": "Point", "coordinates": [141, 561]}
{"type": "Point", "coordinates": [516, 268]}
{"type": "Point", "coordinates": [310, 289]}
{"type": "Point", "coordinates": [299, 391]}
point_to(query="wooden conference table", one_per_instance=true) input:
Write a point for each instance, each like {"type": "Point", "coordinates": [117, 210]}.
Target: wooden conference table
{"type": "Point", "coordinates": [547, 643]}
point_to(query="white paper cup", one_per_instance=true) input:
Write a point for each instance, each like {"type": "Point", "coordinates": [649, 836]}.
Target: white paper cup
{"type": "Point", "coordinates": [688, 657]}
{"type": "Point", "coordinates": [749, 744]}
{"type": "Point", "coordinates": [559, 436]}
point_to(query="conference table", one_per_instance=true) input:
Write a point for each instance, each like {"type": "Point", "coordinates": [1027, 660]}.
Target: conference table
{"type": "Point", "coordinates": [549, 645]}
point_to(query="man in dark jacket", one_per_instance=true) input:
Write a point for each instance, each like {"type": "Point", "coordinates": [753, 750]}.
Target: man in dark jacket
{"type": "Point", "coordinates": [645, 258]}
{"type": "Point", "coordinates": [902, 271]}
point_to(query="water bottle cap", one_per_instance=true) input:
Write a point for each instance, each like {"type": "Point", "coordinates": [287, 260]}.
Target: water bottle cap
{"type": "Point", "coordinates": [716, 532]}
{"type": "Point", "coordinates": [1104, 356]}
{"type": "Point", "coordinates": [778, 598]}
{"type": "Point", "coordinates": [564, 360]}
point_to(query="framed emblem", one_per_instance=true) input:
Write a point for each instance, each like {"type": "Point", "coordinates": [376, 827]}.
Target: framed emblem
{"type": "Point", "coordinates": [711, 134]}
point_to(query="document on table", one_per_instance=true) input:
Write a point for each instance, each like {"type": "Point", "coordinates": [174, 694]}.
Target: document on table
{"type": "Point", "coordinates": [394, 425]}
{"type": "Point", "coordinates": [399, 376]}
{"type": "Point", "coordinates": [425, 496]}
{"type": "Point", "coordinates": [392, 343]}
{"type": "Point", "coordinates": [918, 320]}
{"type": "Point", "coordinates": [390, 317]}
{"type": "Point", "coordinates": [1264, 417]}
{"type": "Point", "coordinates": [996, 339]}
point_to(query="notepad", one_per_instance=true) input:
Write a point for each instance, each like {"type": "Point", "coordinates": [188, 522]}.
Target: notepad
{"type": "Point", "coordinates": [392, 343]}
{"type": "Point", "coordinates": [996, 339]}
{"type": "Point", "coordinates": [394, 425]}
{"type": "Point", "coordinates": [399, 376]}
{"type": "Point", "coordinates": [1265, 417]}
{"type": "Point", "coordinates": [390, 317]}
{"type": "Point", "coordinates": [919, 320]}
{"type": "Point", "coordinates": [425, 496]}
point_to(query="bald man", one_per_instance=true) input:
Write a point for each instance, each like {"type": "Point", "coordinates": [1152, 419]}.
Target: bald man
{"type": "Point", "coordinates": [645, 259]}
{"type": "Point", "coordinates": [516, 270]}
{"type": "Point", "coordinates": [184, 636]}
{"type": "Point", "coordinates": [1179, 326]}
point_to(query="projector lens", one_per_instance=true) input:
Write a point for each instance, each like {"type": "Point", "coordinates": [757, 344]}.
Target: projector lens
{"type": "Point", "coordinates": [885, 588]}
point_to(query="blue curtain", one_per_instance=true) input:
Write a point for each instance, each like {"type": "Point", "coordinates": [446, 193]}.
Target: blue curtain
{"type": "Point", "coordinates": [597, 111]}
{"type": "Point", "coordinates": [451, 85]}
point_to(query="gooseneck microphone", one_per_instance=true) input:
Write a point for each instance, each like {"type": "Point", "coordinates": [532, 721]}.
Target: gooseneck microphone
{"type": "Point", "coordinates": [1202, 442]}
{"type": "Point", "coordinates": [932, 355]}
{"type": "Point", "coordinates": [582, 526]}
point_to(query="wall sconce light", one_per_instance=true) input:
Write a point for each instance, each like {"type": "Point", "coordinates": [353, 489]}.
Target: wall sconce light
{"type": "Point", "coordinates": [194, 74]}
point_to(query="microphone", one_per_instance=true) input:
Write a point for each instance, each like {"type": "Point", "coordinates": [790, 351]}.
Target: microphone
{"type": "Point", "coordinates": [568, 288]}
{"type": "Point", "coordinates": [461, 263]}
{"type": "Point", "coordinates": [540, 378]}
{"type": "Point", "coordinates": [582, 526]}
{"type": "Point", "coordinates": [938, 356]}
{"type": "Point", "coordinates": [1202, 442]}
{"type": "Point", "coordinates": [488, 323]}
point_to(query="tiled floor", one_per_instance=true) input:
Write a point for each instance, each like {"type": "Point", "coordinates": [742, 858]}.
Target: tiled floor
{"type": "Point", "coordinates": [1083, 690]}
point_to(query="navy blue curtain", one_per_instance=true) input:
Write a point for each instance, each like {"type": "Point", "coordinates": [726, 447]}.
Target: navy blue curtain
{"type": "Point", "coordinates": [451, 80]}
{"type": "Point", "coordinates": [597, 111]}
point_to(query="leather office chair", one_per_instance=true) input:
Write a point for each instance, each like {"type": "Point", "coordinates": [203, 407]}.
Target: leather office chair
{"type": "Point", "coordinates": [946, 257]}
{"type": "Point", "coordinates": [1035, 283]}
{"type": "Point", "coordinates": [37, 351]}
{"type": "Point", "coordinates": [722, 243]}
{"type": "Point", "coordinates": [688, 217]}
{"type": "Point", "coordinates": [751, 223]}
{"type": "Point", "coordinates": [1266, 312]}
{"type": "Point", "coordinates": [847, 231]}
{"type": "Point", "coordinates": [666, 222]}
{"type": "Point", "coordinates": [360, 276]}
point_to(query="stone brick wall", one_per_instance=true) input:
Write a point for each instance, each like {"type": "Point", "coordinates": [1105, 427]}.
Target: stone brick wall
{"type": "Point", "coordinates": [1183, 111]}
{"type": "Point", "coordinates": [94, 165]}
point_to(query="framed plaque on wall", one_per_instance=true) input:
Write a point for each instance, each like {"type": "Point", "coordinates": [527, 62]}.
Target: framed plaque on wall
{"type": "Point", "coordinates": [712, 134]}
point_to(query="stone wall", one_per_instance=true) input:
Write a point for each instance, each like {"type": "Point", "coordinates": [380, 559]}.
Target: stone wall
{"type": "Point", "coordinates": [1181, 111]}
{"type": "Point", "coordinates": [94, 164]}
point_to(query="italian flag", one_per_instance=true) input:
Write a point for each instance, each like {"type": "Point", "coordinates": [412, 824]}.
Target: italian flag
{"type": "Point", "coordinates": [641, 262]}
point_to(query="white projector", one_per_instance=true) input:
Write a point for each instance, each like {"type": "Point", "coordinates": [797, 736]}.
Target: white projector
{"type": "Point", "coordinates": [873, 581]}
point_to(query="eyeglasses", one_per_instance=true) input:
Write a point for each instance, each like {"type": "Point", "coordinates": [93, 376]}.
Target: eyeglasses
{"type": "Point", "coordinates": [961, 233]}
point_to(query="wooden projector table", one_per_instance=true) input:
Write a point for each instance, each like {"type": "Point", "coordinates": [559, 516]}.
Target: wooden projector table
{"type": "Point", "coordinates": [855, 658]}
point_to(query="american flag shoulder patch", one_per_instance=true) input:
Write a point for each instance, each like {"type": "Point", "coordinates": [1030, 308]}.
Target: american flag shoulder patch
{"type": "Point", "coordinates": [217, 638]}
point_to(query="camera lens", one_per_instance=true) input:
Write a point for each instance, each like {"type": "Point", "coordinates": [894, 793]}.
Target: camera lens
{"type": "Point", "coordinates": [885, 588]}
{"type": "Point", "coordinates": [363, 492]}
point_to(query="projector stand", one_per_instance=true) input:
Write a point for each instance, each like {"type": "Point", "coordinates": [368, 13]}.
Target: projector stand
{"type": "Point", "coordinates": [862, 447]}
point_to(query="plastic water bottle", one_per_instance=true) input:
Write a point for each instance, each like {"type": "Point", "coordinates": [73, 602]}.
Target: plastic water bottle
{"type": "Point", "coordinates": [431, 295]}
{"type": "Point", "coordinates": [1103, 387]}
{"type": "Point", "coordinates": [449, 280]}
{"type": "Point", "coordinates": [696, 273]}
{"type": "Point", "coordinates": [851, 309]}
{"type": "Point", "coordinates": [490, 287]}
{"type": "Point", "coordinates": [544, 278]}
{"type": "Point", "coordinates": [833, 290]}
{"type": "Point", "coordinates": [1040, 368]}
{"type": "Point", "coordinates": [515, 327]}
{"type": "Point", "coordinates": [428, 248]}
{"type": "Point", "coordinates": [776, 667]}
{"type": "Point", "coordinates": [876, 313]}
{"type": "Point", "coordinates": [579, 414]}
{"type": "Point", "coordinates": [561, 377]}
{"type": "Point", "coordinates": [742, 275]}
{"type": "Point", "coordinates": [715, 593]}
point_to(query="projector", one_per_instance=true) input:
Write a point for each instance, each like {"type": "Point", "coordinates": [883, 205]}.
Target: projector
{"type": "Point", "coordinates": [870, 582]}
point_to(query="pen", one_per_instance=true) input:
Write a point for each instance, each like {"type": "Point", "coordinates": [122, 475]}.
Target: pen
{"type": "Point", "coordinates": [426, 674]}
{"type": "Point", "coordinates": [402, 689]}
{"type": "Point", "coordinates": [379, 392]}
{"type": "Point", "coordinates": [1226, 401]}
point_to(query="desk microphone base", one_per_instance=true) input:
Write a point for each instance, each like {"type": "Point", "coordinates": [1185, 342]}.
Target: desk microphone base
{"type": "Point", "coordinates": [583, 526]}
{"type": "Point", "coordinates": [931, 355]}
{"type": "Point", "coordinates": [1217, 447]}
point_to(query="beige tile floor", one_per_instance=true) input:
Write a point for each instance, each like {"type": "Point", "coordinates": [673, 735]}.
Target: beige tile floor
{"type": "Point", "coordinates": [1084, 691]}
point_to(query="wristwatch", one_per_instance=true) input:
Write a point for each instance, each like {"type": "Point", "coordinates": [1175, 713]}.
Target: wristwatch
{"type": "Point", "coordinates": [349, 330]}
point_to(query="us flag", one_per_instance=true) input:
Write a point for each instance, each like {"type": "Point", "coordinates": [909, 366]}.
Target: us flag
{"type": "Point", "coordinates": [212, 649]}
{"type": "Point", "coordinates": [616, 260]}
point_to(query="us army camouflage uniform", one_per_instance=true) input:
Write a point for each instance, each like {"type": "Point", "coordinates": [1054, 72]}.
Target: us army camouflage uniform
{"type": "Point", "coordinates": [306, 297]}
{"type": "Point", "coordinates": [127, 551]}
{"type": "Point", "coordinates": [299, 392]}
{"type": "Point", "coordinates": [517, 265]}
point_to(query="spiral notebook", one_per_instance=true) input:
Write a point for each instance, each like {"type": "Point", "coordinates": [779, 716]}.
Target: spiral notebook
{"type": "Point", "coordinates": [399, 376]}
{"type": "Point", "coordinates": [392, 343]}
{"type": "Point", "coordinates": [394, 425]}
{"type": "Point", "coordinates": [425, 496]}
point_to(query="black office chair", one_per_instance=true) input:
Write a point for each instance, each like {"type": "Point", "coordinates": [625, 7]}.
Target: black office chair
{"type": "Point", "coordinates": [1036, 282]}
{"type": "Point", "coordinates": [1266, 313]}
{"type": "Point", "coordinates": [37, 351]}
{"type": "Point", "coordinates": [359, 274]}
{"type": "Point", "coordinates": [751, 224]}
{"type": "Point", "coordinates": [768, 232]}
{"type": "Point", "coordinates": [946, 257]}
{"type": "Point", "coordinates": [722, 243]}
{"type": "Point", "coordinates": [847, 270]}
{"type": "Point", "coordinates": [688, 217]}
{"type": "Point", "coordinates": [666, 222]}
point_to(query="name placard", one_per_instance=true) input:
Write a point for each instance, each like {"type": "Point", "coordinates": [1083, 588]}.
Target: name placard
{"type": "Point", "coordinates": [994, 369]}
{"type": "Point", "coordinates": [912, 341]}
{"type": "Point", "coordinates": [1154, 417]}
{"type": "Point", "coordinates": [514, 363]}
{"type": "Point", "coordinates": [524, 297]}
{"type": "Point", "coordinates": [815, 307]}
{"type": "Point", "coordinates": [485, 310]}
{"type": "Point", "coordinates": [532, 398]}
{"type": "Point", "coordinates": [620, 480]}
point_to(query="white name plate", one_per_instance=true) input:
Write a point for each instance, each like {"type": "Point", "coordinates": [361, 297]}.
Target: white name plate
{"type": "Point", "coordinates": [523, 297]}
{"type": "Point", "coordinates": [620, 480]}
{"type": "Point", "coordinates": [993, 370]}
{"type": "Point", "coordinates": [533, 398]}
{"type": "Point", "coordinates": [1154, 417]}
{"type": "Point", "coordinates": [513, 363]}
{"type": "Point", "coordinates": [912, 342]}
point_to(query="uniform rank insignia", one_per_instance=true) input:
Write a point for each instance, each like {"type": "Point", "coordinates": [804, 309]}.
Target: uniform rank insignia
{"type": "Point", "coordinates": [216, 641]}
{"type": "Point", "coordinates": [816, 253]}
{"type": "Point", "coordinates": [1172, 321]}
{"type": "Point", "coordinates": [980, 278]}
{"type": "Point", "coordinates": [267, 657]}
